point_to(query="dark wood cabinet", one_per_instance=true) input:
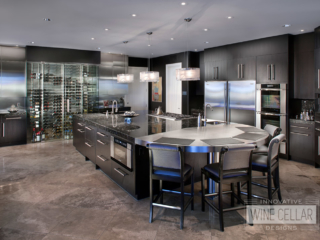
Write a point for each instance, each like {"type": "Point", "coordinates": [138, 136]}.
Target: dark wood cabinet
{"type": "Point", "coordinates": [302, 141]}
{"type": "Point", "coordinates": [304, 75]}
{"type": "Point", "coordinates": [317, 70]}
{"type": "Point", "coordinates": [123, 177]}
{"type": "Point", "coordinates": [103, 150]}
{"type": "Point", "coordinates": [216, 70]}
{"type": "Point", "coordinates": [79, 136]}
{"type": "Point", "coordinates": [13, 130]}
{"type": "Point", "coordinates": [272, 68]}
{"type": "Point", "coordinates": [90, 143]}
{"type": "Point", "coordinates": [242, 69]}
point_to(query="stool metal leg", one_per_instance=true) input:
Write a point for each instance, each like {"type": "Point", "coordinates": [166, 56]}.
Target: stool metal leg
{"type": "Point", "coordinates": [151, 200]}
{"type": "Point", "coordinates": [202, 191]}
{"type": "Point", "coordinates": [182, 205]}
{"type": "Point", "coordinates": [249, 186]}
{"type": "Point", "coordinates": [239, 191]}
{"type": "Point", "coordinates": [192, 191]}
{"type": "Point", "coordinates": [277, 182]}
{"type": "Point", "coordinates": [221, 208]}
{"type": "Point", "coordinates": [232, 194]}
{"type": "Point", "coordinates": [161, 198]}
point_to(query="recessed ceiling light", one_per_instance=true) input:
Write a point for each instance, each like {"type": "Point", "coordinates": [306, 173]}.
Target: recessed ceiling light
{"type": "Point", "coordinates": [134, 15]}
{"type": "Point", "coordinates": [286, 25]}
{"type": "Point", "coordinates": [206, 42]}
{"type": "Point", "coordinates": [107, 29]}
{"type": "Point", "coordinates": [183, 3]}
{"type": "Point", "coordinates": [149, 45]}
{"type": "Point", "coordinates": [32, 42]}
{"type": "Point", "coordinates": [196, 50]}
{"type": "Point", "coordinates": [172, 38]}
{"type": "Point", "coordinates": [205, 29]}
{"type": "Point", "coordinates": [229, 17]}
{"type": "Point", "coordinates": [98, 48]}
{"type": "Point", "coordinates": [47, 19]}
{"type": "Point", "coordinates": [92, 38]}
{"type": "Point", "coordinates": [17, 45]}
{"type": "Point", "coordinates": [302, 30]}
{"type": "Point", "coordinates": [151, 53]}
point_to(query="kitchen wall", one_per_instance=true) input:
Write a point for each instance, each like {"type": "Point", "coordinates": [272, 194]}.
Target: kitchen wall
{"type": "Point", "coordinates": [159, 64]}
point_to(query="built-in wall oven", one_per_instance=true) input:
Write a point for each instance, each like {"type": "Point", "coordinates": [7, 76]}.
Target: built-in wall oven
{"type": "Point", "coordinates": [121, 152]}
{"type": "Point", "coordinates": [271, 107]}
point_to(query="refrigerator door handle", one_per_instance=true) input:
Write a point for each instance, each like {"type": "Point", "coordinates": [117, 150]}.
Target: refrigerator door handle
{"type": "Point", "coordinates": [217, 69]}
{"type": "Point", "coordinates": [273, 72]}
{"type": "Point", "coordinates": [268, 72]}
{"type": "Point", "coordinates": [238, 70]}
{"type": "Point", "coordinates": [242, 74]}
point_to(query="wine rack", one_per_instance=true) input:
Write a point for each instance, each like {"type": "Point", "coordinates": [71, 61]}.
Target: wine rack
{"type": "Point", "coordinates": [55, 93]}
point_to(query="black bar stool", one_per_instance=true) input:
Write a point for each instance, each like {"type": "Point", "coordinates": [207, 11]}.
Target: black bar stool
{"type": "Point", "coordinates": [167, 164]}
{"type": "Point", "coordinates": [268, 164]}
{"type": "Point", "coordinates": [273, 132]}
{"type": "Point", "coordinates": [234, 166]}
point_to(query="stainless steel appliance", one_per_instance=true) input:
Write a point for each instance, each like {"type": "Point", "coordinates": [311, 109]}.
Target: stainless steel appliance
{"type": "Point", "coordinates": [231, 101]}
{"type": "Point", "coordinates": [121, 152]}
{"type": "Point", "coordinates": [271, 108]}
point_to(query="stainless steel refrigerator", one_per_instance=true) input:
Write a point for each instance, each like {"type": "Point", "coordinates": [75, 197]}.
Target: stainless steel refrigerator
{"type": "Point", "coordinates": [232, 101]}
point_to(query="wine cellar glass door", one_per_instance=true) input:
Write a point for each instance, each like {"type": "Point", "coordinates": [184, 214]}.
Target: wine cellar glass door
{"type": "Point", "coordinates": [53, 98]}
{"type": "Point", "coordinates": [90, 88]}
{"type": "Point", "coordinates": [73, 99]}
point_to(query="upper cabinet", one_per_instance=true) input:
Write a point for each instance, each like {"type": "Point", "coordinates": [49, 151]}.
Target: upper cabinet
{"type": "Point", "coordinates": [242, 69]}
{"type": "Point", "coordinates": [216, 70]}
{"type": "Point", "coordinates": [272, 68]}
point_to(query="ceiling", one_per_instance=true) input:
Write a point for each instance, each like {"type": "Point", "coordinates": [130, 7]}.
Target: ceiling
{"type": "Point", "coordinates": [74, 22]}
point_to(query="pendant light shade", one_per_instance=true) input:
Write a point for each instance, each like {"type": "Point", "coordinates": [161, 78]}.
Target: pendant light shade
{"type": "Point", "coordinates": [188, 74]}
{"type": "Point", "coordinates": [125, 77]}
{"type": "Point", "coordinates": [149, 76]}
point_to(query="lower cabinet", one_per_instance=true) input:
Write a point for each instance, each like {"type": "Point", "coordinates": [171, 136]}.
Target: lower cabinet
{"type": "Point", "coordinates": [103, 160]}
{"type": "Point", "coordinates": [123, 177]}
{"type": "Point", "coordinates": [302, 141]}
{"type": "Point", "coordinates": [13, 130]}
{"type": "Point", "coordinates": [90, 143]}
{"type": "Point", "coordinates": [79, 136]}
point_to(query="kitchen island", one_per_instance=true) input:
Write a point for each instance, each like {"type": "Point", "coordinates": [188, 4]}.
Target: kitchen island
{"type": "Point", "coordinates": [119, 148]}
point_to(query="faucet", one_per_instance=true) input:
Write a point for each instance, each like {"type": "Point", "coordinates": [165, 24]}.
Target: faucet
{"type": "Point", "coordinates": [113, 106]}
{"type": "Point", "coordinates": [205, 113]}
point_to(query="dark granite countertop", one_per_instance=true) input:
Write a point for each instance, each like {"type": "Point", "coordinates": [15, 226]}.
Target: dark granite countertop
{"type": "Point", "coordinates": [20, 113]}
{"type": "Point", "coordinates": [293, 120]}
{"type": "Point", "coordinates": [142, 125]}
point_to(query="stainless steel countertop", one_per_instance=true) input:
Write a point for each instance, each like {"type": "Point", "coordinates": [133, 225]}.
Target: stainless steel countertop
{"type": "Point", "coordinates": [208, 132]}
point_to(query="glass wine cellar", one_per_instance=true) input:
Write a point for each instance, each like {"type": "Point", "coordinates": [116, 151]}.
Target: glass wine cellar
{"type": "Point", "coordinates": [54, 93]}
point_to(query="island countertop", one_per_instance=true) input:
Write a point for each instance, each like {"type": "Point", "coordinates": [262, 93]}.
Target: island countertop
{"type": "Point", "coordinates": [146, 129]}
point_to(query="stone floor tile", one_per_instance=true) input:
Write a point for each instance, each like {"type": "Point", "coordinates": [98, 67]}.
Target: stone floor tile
{"type": "Point", "coordinates": [15, 234]}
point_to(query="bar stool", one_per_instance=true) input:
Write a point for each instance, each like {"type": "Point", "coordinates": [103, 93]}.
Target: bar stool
{"type": "Point", "coordinates": [269, 164]}
{"type": "Point", "coordinates": [234, 166]}
{"type": "Point", "coordinates": [273, 132]}
{"type": "Point", "coordinates": [167, 164]}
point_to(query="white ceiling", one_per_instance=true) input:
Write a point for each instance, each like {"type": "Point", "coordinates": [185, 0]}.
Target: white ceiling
{"type": "Point", "coordinates": [75, 22]}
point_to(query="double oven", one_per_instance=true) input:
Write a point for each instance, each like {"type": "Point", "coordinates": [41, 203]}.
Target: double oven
{"type": "Point", "coordinates": [271, 108]}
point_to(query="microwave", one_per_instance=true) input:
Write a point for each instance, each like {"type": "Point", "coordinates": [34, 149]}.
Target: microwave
{"type": "Point", "coordinates": [121, 152]}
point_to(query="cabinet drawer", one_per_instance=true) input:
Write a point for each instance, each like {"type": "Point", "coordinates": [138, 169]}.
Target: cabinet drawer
{"type": "Point", "coordinates": [302, 146]}
{"type": "Point", "coordinates": [301, 128]}
{"type": "Point", "coordinates": [90, 133]}
{"type": "Point", "coordinates": [90, 150]}
{"type": "Point", "coordinates": [123, 177]}
{"type": "Point", "coordinates": [103, 151]}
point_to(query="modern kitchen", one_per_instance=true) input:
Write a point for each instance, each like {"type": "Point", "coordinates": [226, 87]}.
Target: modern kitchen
{"type": "Point", "coordinates": [159, 120]}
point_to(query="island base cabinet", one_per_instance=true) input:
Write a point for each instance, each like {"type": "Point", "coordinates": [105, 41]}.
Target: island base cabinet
{"type": "Point", "coordinates": [123, 177]}
{"type": "Point", "coordinates": [90, 150]}
{"type": "Point", "coordinates": [79, 136]}
{"type": "Point", "coordinates": [103, 160]}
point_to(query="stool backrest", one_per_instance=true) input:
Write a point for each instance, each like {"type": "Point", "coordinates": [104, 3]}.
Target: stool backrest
{"type": "Point", "coordinates": [274, 145]}
{"type": "Point", "coordinates": [272, 130]}
{"type": "Point", "coordinates": [165, 156]}
{"type": "Point", "coordinates": [236, 156]}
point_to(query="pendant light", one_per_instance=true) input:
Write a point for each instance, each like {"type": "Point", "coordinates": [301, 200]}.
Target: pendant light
{"type": "Point", "coordinates": [188, 74]}
{"type": "Point", "coordinates": [149, 76]}
{"type": "Point", "coordinates": [125, 77]}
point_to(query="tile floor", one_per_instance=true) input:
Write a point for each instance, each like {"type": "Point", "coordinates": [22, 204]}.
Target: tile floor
{"type": "Point", "coordinates": [48, 191]}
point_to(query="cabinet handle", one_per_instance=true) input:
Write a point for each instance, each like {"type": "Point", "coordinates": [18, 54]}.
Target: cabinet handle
{"type": "Point", "coordinates": [80, 124]}
{"type": "Point", "coordinates": [103, 143]}
{"type": "Point", "coordinates": [273, 72]}
{"type": "Point", "coordinates": [80, 130]}
{"type": "Point", "coordinates": [101, 134]}
{"type": "Point", "coordinates": [268, 72]}
{"type": "Point", "coordinates": [89, 128]}
{"type": "Point", "coordinates": [102, 158]}
{"type": "Point", "coordinates": [303, 134]}
{"type": "Point", "coordinates": [242, 74]}
{"type": "Point", "coordinates": [300, 127]}
{"type": "Point", "coordinates": [88, 144]}
{"type": "Point", "coordinates": [238, 70]}
{"type": "Point", "coordinates": [13, 118]}
{"type": "Point", "coordinates": [3, 129]}
{"type": "Point", "coordinates": [121, 173]}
